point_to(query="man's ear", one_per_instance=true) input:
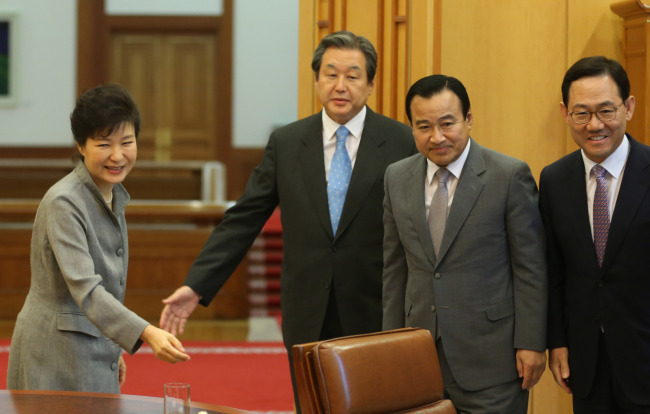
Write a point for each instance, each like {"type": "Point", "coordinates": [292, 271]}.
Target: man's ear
{"type": "Point", "coordinates": [630, 103]}
{"type": "Point", "coordinates": [565, 113]}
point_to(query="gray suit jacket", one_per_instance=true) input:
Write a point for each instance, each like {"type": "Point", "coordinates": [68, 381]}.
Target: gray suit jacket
{"type": "Point", "coordinates": [488, 288]}
{"type": "Point", "coordinates": [69, 332]}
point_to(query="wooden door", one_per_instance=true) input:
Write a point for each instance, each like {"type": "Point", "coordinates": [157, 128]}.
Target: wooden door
{"type": "Point", "coordinates": [171, 77]}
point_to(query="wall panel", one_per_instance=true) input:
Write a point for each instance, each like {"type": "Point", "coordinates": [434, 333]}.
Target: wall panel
{"type": "Point", "coordinates": [592, 29]}
{"type": "Point", "coordinates": [383, 22]}
{"type": "Point", "coordinates": [424, 39]}
{"type": "Point", "coordinates": [364, 16]}
{"type": "Point", "coordinates": [511, 61]}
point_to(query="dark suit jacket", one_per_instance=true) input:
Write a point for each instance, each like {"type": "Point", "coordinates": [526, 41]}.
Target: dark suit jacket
{"type": "Point", "coordinates": [292, 174]}
{"type": "Point", "coordinates": [582, 296]}
{"type": "Point", "coordinates": [487, 289]}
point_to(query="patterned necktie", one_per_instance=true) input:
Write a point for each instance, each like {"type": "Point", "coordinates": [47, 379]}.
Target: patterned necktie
{"type": "Point", "coordinates": [600, 213]}
{"type": "Point", "coordinates": [339, 178]}
{"type": "Point", "coordinates": [438, 209]}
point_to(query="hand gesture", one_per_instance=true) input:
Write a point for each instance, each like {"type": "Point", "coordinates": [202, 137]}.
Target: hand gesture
{"type": "Point", "coordinates": [165, 346]}
{"type": "Point", "coordinates": [122, 370]}
{"type": "Point", "coordinates": [178, 307]}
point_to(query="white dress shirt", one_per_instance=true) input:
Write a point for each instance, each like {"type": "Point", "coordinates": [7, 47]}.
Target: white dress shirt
{"type": "Point", "coordinates": [431, 184]}
{"type": "Point", "coordinates": [355, 126]}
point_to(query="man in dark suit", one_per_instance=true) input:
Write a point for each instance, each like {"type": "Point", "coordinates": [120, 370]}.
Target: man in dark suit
{"type": "Point", "coordinates": [332, 263]}
{"type": "Point", "coordinates": [478, 282]}
{"type": "Point", "coordinates": [595, 204]}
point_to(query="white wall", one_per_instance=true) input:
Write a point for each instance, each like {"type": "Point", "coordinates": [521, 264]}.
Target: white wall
{"type": "Point", "coordinates": [265, 67]}
{"type": "Point", "coordinates": [46, 74]}
{"type": "Point", "coordinates": [265, 71]}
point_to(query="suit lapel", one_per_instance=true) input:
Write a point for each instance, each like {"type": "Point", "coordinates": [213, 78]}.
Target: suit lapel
{"type": "Point", "coordinates": [368, 166]}
{"type": "Point", "coordinates": [312, 169]}
{"type": "Point", "coordinates": [576, 207]}
{"type": "Point", "coordinates": [467, 192]}
{"type": "Point", "coordinates": [634, 188]}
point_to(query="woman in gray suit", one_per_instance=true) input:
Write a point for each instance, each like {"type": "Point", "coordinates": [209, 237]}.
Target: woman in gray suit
{"type": "Point", "coordinates": [73, 326]}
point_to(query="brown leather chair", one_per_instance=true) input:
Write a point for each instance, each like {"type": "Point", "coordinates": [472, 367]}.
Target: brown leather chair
{"type": "Point", "coordinates": [378, 373]}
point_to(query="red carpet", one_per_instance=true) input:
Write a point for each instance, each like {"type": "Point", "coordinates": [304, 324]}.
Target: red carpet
{"type": "Point", "coordinates": [252, 376]}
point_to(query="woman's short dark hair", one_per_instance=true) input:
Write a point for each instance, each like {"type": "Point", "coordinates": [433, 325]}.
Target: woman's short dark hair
{"type": "Point", "coordinates": [346, 40]}
{"type": "Point", "coordinates": [433, 84]}
{"type": "Point", "coordinates": [101, 110]}
{"type": "Point", "coordinates": [596, 66]}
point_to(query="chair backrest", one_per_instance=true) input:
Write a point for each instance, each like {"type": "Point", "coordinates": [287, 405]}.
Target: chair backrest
{"type": "Point", "coordinates": [377, 373]}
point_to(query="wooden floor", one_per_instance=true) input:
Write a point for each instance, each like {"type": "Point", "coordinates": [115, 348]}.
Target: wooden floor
{"type": "Point", "coordinates": [198, 330]}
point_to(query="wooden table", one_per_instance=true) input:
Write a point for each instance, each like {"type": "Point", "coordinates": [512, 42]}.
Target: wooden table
{"type": "Point", "coordinates": [71, 402]}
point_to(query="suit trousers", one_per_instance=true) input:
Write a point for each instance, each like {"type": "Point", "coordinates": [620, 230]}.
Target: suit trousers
{"type": "Point", "coordinates": [607, 395]}
{"type": "Point", "coordinates": [504, 398]}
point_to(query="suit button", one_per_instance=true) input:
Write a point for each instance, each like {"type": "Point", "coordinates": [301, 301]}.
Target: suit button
{"type": "Point", "coordinates": [601, 283]}
{"type": "Point", "coordinates": [437, 276]}
{"type": "Point", "coordinates": [122, 281]}
{"type": "Point", "coordinates": [114, 366]}
{"type": "Point", "coordinates": [433, 308]}
{"type": "Point", "coordinates": [119, 252]}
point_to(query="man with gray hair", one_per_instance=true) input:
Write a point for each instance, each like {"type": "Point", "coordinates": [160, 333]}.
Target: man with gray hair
{"type": "Point", "coordinates": [325, 172]}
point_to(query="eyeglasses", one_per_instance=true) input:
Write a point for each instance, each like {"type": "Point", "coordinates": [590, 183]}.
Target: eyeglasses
{"type": "Point", "coordinates": [605, 114]}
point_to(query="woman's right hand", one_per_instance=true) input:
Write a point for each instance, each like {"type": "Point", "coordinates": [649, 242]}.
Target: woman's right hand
{"type": "Point", "coordinates": [165, 346]}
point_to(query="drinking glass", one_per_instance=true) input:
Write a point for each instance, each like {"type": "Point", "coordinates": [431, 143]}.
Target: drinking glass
{"type": "Point", "coordinates": [177, 398]}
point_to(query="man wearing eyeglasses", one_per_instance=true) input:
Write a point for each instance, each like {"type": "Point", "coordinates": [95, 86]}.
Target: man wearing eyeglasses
{"type": "Point", "coordinates": [464, 254]}
{"type": "Point", "coordinates": [595, 204]}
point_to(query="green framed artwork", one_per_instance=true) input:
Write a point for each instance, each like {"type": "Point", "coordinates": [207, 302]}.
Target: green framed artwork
{"type": "Point", "coordinates": [8, 72]}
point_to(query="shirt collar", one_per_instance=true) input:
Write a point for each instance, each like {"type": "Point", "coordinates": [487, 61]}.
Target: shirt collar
{"type": "Point", "coordinates": [354, 125]}
{"type": "Point", "coordinates": [455, 168]}
{"type": "Point", "coordinates": [615, 163]}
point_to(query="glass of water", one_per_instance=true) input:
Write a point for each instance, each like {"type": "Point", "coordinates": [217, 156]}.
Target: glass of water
{"type": "Point", "coordinates": [177, 398]}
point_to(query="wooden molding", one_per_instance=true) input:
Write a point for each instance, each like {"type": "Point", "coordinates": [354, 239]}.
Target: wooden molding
{"type": "Point", "coordinates": [164, 24]}
{"type": "Point", "coordinates": [636, 50]}
{"type": "Point", "coordinates": [159, 257]}
{"type": "Point", "coordinates": [91, 44]}
{"type": "Point", "coordinates": [38, 152]}
{"type": "Point", "coordinates": [628, 8]}
{"type": "Point", "coordinates": [239, 169]}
